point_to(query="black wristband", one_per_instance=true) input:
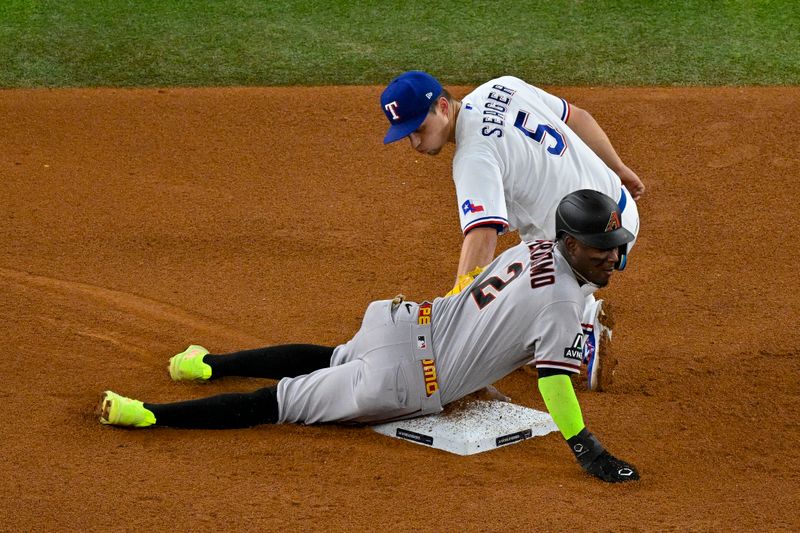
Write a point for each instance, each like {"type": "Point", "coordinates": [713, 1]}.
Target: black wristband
{"type": "Point", "coordinates": [586, 447]}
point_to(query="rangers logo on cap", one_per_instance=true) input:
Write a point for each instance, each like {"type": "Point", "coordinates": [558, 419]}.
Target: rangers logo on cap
{"type": "Point", "coordinates": [391, 107]}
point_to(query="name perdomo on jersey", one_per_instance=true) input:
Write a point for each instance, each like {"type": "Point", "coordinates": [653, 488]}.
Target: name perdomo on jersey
{"type": "Point", "coordinates": [543, 270]}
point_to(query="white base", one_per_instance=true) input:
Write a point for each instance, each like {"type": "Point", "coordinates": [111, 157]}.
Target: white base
{"type": "Point", "coordinates": [477, 427]}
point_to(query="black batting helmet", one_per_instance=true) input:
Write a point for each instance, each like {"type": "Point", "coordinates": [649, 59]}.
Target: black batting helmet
{"type": "Point", "coordinates": [595, 220]}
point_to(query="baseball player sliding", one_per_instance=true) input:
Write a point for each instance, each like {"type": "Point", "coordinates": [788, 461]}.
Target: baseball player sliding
{"type": "Point", "coordinates": [519, 150]}
{"type": "Point", "coordinates": [410, 359]}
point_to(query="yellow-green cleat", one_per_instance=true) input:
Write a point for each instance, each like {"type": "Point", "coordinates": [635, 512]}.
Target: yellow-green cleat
{"type": "Point", "coordinates": [118, 410]}
{"type": "Point", "coordinates": [189, 366]}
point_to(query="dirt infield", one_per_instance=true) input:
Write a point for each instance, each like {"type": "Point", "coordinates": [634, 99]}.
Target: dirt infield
{"type": "Point", "coordinates": [137, 221]}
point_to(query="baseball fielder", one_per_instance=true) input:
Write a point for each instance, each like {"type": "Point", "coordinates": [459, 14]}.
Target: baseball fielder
{"type": "Point", "coordinates": [409, 359]}
{"type": "Point", "coordinates": [519, 150]}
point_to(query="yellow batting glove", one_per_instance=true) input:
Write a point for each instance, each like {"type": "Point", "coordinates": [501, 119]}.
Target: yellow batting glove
{"type": "Point", "coordinates": [463, 281]}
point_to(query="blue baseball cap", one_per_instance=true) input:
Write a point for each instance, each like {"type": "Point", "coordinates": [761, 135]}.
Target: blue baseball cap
{"type": "Point", "coordinates": [406, 101]}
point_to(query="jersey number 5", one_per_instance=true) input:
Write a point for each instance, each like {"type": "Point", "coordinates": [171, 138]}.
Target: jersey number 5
{"type": "Point", "coordinates": [541, 132]}
{"type": "Point", "coordinates": [482, 298]}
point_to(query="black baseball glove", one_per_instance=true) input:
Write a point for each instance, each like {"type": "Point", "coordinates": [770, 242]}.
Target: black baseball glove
{"type": "Point", "coordinates": [595, 460]}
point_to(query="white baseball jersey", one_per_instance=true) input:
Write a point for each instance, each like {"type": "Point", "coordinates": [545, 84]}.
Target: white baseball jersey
{"type": "Point", "coordinates": [516, 158]}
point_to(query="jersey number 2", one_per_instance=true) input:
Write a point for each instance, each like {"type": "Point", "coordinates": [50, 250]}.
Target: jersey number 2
{"type": "Point", "coordinates": [482, 298]}
{"type": "Point", "coordinates": [541, 132]}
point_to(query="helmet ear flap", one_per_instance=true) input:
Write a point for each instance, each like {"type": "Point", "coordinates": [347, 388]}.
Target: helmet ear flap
{"type": "Point", "coordinates": [622, 262]}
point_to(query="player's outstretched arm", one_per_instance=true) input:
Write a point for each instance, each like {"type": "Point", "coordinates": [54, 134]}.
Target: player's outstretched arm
{"type": "Point", "coordinates": [587, 128]}
{"type": "Point", "coordinates": [477, 251]}
{"type": "Point", "coordinates": [559, 397]}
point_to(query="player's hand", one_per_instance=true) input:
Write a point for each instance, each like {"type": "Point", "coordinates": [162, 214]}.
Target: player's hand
{"type": "Point", "coordinates": [494, 394]}
{"type": "Point", "coordinates": [631, 182]}
{"type": "Point", "coordinates": [595, 460]}
{"type": "Point", "coordinates": [612, 470]}
{"type": "Point", "coordinates": [463, 281]}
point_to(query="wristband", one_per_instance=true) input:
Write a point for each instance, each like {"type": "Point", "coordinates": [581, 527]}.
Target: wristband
{"type": "Point", "coordinates": [586, 447]}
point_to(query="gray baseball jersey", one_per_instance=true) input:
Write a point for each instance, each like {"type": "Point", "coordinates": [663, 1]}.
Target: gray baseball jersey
{"type": "Point", "coordinates": [409, 359]}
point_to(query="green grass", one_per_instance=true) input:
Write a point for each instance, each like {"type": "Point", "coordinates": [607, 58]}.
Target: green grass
{"type": "Point", "coordinates": [62, 43]}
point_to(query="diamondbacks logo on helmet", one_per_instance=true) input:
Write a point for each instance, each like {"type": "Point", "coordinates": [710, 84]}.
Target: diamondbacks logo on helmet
{"type": "Point", "coordinates": [613, 222]}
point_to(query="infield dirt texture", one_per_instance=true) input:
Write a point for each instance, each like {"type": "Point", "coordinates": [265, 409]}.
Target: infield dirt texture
{"type": "Point", "coordinates": [135, 222]}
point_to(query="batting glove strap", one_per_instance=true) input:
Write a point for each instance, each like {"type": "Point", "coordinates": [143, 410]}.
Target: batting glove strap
{"type": "Point", "coordinates": [586, 447]}
{"type": "Point", "coordinates": [595, 460]}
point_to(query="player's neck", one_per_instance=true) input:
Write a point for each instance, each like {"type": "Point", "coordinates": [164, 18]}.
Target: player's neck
{"type": "Point", "coordinates": [456, 108]}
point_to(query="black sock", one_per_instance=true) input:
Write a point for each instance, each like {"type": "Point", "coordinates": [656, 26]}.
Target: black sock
{"type": "Point", "coordinates": [273, 362]}
{"type": "Point", "coordinates": [224, 411]}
